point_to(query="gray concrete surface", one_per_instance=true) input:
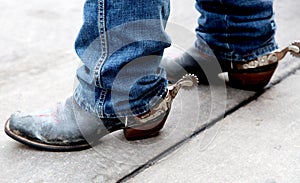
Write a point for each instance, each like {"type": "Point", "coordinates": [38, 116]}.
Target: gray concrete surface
{"type": "Point", "coordinates": [258, 143]}
{"type": "Point", "coordinates": [37, 69]}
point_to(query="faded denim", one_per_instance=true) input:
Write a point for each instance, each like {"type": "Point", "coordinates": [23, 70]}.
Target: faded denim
{"type": "Point", "coordinates": [121, 44]}
{"type": "Point", "coordinates": [237, 30]}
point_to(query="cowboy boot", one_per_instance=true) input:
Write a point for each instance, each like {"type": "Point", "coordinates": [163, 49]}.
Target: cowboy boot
{"type": "Point", "coordinates": [67, 127]}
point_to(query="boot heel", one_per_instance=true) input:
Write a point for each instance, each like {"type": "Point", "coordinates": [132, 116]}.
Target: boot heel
{"type": "Point", "coordinates": [145, 131]}
{"type": "Point", "coordinates": [256, 74]}
{"type": "Point", "coordinates": [150, 123]}
{"type": "Point", "coordinates": [255, 80]}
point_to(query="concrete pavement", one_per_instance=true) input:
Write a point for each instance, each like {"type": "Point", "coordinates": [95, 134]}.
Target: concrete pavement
{"type": "Point", "coordinates": [258, 141]}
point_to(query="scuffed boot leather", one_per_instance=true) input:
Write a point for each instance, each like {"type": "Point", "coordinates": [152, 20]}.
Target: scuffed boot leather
{"type": "Point", "coordinates": [54, 129]}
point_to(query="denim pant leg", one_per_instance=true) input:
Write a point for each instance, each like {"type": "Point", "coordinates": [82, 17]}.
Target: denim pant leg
{"type": "Point", "coordinates": [120, 45]}
{"type": "Point", "coordinates": [237, 30]}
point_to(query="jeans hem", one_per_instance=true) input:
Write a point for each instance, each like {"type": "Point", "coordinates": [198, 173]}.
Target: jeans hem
{"type": "Point", "coordinates": [235, 57]}
{"type": "Point", "coordinates": [126, 113]}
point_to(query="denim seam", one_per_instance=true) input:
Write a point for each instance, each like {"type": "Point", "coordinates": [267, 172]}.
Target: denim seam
{"type": "Point", "coordinates": [103, 57]}
{"type": "Point", "coordinates": [103, 42]}
{"type": "Point", "coordinates": [100, 111]}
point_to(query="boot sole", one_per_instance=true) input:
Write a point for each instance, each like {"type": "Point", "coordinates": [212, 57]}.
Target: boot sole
{"type": "Point", "coordinates": [43, 146]}
{"type": "Point", "coordinates": [139, 133]}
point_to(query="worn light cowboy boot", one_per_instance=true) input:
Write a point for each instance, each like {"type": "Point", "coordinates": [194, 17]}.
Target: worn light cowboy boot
{"type": "Point", "coordinates": [249, 75]}
{"type": "Point", "coordinates": [59, 129]}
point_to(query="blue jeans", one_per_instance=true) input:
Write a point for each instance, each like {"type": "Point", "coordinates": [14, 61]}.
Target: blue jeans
{"type": "Point", "coordinates": [121, 44]}
{"type": "Point", "coordinates": [237, 30]}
